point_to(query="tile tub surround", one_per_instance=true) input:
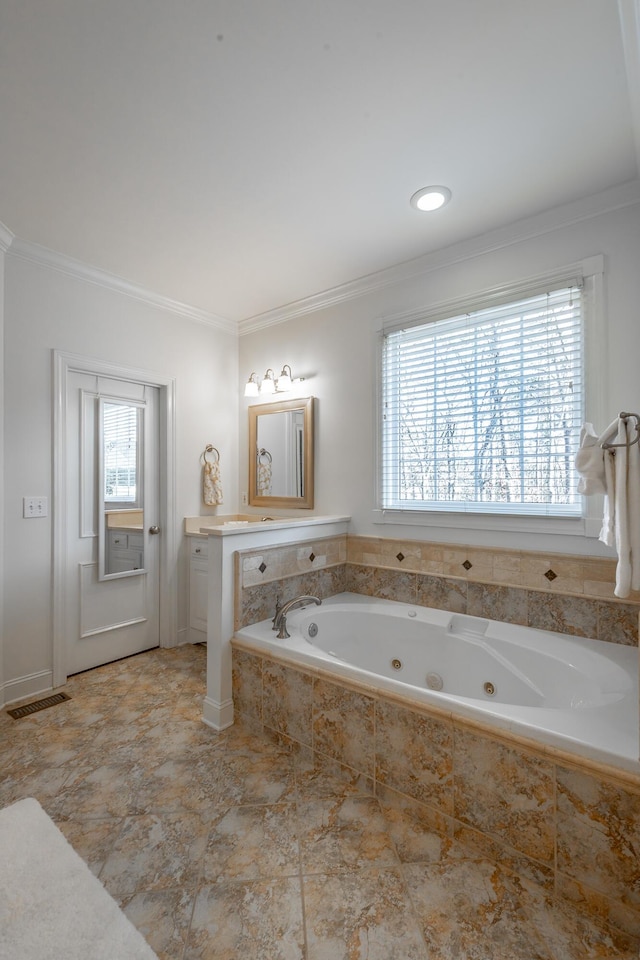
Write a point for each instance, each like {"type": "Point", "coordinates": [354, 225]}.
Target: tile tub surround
{"type": "Point", "coordinates": [228, 845]}
{"type": "Point", "coordinates": [281, 573]}
{"type": "Point", "coordinates": [571, 830]}
{"type": "Point", "coordinates": [567, 594]}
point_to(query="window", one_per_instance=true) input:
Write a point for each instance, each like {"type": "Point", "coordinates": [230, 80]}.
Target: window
{"type": "Point", "coordinates": [481, 412]}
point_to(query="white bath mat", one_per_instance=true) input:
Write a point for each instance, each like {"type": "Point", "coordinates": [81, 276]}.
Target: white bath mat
{"type": "Point", "coordinates": [51, 905]}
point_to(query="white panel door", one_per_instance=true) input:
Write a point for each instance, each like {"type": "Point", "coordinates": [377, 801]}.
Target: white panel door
{"type": "Point", "coordinates": [112, 559]}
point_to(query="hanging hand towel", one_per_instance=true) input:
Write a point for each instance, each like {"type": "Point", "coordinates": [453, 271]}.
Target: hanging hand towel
{"type": "Point", "coordinates": [211, 484]}
{"type": "Point", "coordinates": [264, 480]}
{"type": "Point", "coordinates": [264, 473]}
{"type": "Point", "coordinates": [590, 462]}
{"type": "Point", "coordinates": [621, 522]}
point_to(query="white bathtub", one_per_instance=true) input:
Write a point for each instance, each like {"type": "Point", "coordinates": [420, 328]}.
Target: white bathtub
{"type": "Point", "coordinates": [575, 694]}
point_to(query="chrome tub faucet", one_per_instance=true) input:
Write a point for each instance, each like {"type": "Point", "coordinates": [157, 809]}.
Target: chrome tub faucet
{"type": "Point", "coordinates": [280, 620]}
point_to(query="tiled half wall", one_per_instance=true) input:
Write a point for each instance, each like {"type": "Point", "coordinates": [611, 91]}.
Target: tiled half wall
{"type": "Point", "coordinates": [569, 594]}
{"type": "Point", "coordinates": [571, 827]}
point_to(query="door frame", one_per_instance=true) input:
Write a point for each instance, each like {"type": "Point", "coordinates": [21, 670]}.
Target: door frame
{"type": "Point", "coordinates": [63, 365]}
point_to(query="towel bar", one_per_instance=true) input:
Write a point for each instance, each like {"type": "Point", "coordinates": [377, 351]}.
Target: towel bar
{"type": "Point", "coordinates": [209, 449]}
{"type": "Point", "coordinates": [625, 417]}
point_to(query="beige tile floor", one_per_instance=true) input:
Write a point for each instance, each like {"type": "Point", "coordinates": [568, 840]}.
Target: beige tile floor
{"type": "Point", "coordinates": [226, 846]}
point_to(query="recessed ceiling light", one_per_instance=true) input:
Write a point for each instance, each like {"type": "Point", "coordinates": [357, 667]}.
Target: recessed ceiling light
{"type": "Point", "coordinates": [430, 198]}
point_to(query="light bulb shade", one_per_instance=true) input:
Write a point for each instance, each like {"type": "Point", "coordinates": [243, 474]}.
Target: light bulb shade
{"type": "Point", "coordinates": [268, 385]}
{"type": "Point", "coordinates": [251, 386]}
{"type": "Point", "coordinates": [284, 381]}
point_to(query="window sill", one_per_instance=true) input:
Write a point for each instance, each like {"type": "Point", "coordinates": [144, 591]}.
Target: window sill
{"type": "Point", "coordinates": [551, 526]}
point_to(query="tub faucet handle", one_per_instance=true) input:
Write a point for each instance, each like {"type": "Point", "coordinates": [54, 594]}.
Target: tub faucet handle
{"type": "Point", "coordinates": [277, 613]}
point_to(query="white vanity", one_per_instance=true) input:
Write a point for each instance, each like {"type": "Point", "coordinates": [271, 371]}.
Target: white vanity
{"type": "Point", "coordinates": [224, 537]}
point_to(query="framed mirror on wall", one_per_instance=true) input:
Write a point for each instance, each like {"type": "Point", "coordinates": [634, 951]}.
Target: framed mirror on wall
{"type": "Point", "coordinates": [120, 507]}
{"type": "Point", "coordinates": [281, 468]}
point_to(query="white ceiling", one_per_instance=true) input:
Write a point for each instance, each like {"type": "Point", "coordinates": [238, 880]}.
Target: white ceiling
{"type": "Point", "coordinates": [239, 155]}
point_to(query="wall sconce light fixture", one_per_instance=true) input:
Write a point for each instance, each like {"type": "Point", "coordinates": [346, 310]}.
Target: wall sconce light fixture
{"type": "Point", "coordinates": [252, 386]}
{"type": "Point", "coordinates": [269, 384]}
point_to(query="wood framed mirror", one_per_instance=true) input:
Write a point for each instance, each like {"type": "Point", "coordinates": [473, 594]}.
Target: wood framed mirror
{"type": "Point", "coordinates": [281, 454]}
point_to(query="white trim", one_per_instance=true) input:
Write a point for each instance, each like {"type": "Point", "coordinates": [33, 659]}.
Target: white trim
{"type": "Point", "coordinates": [491, 296]}
{"type": "Point", "coordinates": [34, 253]}
{"type": "Point", "coordinates": [549, 526]}
{"type": "Point", "coordinates": [590, 271]}
{"type": "Point", "coordinates": [629, 12]}
{"type": "Point", "coordinates": [596, 367]}
{"type": "Point", "coordinates": [608, 201]}
{"type": "Point", "coordinates": [112, 626]}
{"type": "Point", "coordinates": [28, 686]}
{"type": "Point", "coordinates": [219, 716]}
{"type": "Point", "coordinates": [63, 365]}
{"type": "Point", "coordinates": [82, 499]}
{"type": "Point", "coordinates": [2, 489]}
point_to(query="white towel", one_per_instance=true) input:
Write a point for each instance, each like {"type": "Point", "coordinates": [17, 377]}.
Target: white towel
{"type": "Point", "coordinates": [621, 521]}
{"type": "Point", "coordinates": [590, 462]}
{"type": "Point", "coordinates": [607, 531]}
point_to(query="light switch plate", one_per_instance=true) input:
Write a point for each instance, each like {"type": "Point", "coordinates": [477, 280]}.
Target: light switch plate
{"type": "Point", "coordinates": [35, 507]}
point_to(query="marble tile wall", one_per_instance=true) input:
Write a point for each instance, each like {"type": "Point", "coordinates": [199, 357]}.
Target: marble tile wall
{"type": "Point", "coordinates": [569, 594]}
{"type": "Point", "coordinates": [553, 572]}
{"type": "Point", "coordinates": [272, 574]}
{"type": "Point", "coordinates": [612, 620]}
{"type": "Point", "coordinates": [571, 831]}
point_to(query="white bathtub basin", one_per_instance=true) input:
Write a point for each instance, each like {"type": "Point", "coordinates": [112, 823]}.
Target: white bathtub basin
{"type": "Point", "coordinates": [575, 693]}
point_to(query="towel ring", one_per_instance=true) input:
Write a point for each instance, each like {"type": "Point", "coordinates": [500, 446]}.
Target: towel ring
{"type": "Point", "coordinates": [209, 449]}
{"type": "Point", "coordinates": [264, 453]}
{"type": "Point", "coordinates": [625, 417]}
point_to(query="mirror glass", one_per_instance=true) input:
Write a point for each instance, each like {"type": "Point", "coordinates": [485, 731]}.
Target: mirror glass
{"type": "Point", "coordinates": [281, 454]}
{"type": "Point", "coordinates": [121, 525]}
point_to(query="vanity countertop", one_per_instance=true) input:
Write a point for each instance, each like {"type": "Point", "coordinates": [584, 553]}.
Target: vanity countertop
{"type": "Point", "coordinates": [248, 523]}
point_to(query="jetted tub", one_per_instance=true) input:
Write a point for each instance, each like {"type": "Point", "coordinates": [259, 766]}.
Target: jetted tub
{"type": "Point", "coordinates": [577, 694]}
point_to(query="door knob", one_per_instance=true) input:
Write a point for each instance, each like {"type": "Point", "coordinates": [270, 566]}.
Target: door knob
{"type": "Point", "coordinates": [154, 529]}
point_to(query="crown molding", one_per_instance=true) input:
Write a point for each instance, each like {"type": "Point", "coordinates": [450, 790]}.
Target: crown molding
{"type": "Point", "coordinates": [615, 198]}
{"type": "Point", "coordinates": [6, 238]}
{"type": "Point", "coordinates": [43, 256]}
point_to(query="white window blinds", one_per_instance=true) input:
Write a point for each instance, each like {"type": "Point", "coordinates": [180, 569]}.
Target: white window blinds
{"type": "Point", "coordinates": [482, 412]}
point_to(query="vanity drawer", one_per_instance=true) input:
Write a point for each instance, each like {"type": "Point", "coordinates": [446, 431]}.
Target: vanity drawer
{"type": "Point", "coordinates": [199, 548]}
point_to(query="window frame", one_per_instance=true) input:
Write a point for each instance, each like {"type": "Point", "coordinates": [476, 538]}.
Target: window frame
{"type": "Point", "coordinates": [590, 274]}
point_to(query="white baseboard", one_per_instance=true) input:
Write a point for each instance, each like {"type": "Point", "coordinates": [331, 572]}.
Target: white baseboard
{"type": "Point", "coordinates": [217, 715]}
{"type": "Point", "coordinates": [29, 686]}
